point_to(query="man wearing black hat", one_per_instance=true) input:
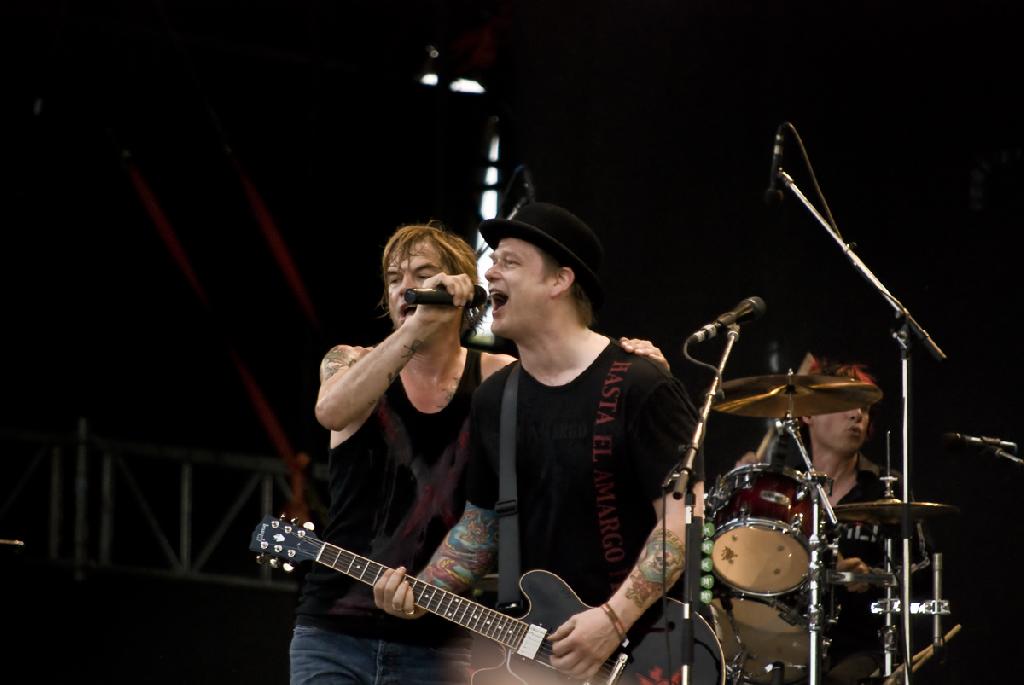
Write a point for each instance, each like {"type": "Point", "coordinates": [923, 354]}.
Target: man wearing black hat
{"type": "Point", "coordinates": [598, 429]}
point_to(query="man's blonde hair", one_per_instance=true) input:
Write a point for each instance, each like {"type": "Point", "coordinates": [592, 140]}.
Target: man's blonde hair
{"type": "Point", "coordinates": [454, 253]}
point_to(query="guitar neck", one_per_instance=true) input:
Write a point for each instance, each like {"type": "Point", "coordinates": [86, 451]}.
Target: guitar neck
{"type": "Point", "coordinates": [471, 615]}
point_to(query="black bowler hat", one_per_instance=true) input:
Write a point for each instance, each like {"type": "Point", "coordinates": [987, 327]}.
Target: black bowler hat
{"type": "Point", "coordinates": [558, 232]}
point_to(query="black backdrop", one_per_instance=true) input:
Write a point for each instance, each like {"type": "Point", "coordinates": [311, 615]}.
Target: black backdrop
{"type": "Point", "coordinates": [654, 123]}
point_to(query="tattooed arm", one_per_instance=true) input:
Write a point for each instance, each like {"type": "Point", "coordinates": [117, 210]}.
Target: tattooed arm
{"type": "Point", "coordinates": [352, 379]}
{"type": "Point", "coordinates": [655, 570]}
{"type": "Point", "coordinates": [466, 554]}
{"type": "Point", "coordinates": [582, 643]}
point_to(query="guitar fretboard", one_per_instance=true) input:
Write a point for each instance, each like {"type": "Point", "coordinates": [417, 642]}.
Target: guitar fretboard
{"type": "Point", "coordinates": [448, 605]}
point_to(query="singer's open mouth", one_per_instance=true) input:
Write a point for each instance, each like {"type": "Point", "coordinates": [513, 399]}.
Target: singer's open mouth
{"type": "Point", "coordinates": [406, 310]}
{"type": "Point", "coordinates": [498, 300]}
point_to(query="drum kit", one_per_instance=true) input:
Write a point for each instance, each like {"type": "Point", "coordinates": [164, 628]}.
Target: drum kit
{"type": "Point", "coordinates": [774, 542]}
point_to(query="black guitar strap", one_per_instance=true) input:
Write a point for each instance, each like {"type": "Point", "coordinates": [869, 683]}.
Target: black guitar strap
{"type": "Point", "coordinates": [509, 599]}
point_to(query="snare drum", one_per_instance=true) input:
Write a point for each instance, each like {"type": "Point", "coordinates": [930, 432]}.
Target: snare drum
{"type": "Point", "coordinates": [763, 519]}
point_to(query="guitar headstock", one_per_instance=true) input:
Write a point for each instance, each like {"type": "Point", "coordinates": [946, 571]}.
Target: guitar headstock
{"type": "Point", "coordinates": [277, 539]}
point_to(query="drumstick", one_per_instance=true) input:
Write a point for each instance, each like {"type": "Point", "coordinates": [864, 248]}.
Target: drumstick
{"type": "Point", "coordinates": [919, 658]}
{"type": "Point", "coordinates": [772, 431]}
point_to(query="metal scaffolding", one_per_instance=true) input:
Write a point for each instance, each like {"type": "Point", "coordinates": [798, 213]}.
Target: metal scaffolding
{"type": "Point", "coordinates": [103, 504]}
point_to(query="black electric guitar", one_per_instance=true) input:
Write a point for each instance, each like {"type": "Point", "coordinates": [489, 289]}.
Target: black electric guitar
{"type": "Point", "coordinates": [650, 656]}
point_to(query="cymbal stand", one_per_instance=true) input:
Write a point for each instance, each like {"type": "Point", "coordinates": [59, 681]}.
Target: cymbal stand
{"type": "Point", "coordinates": [889, 632]}
{"type": "Point", "coordinates": [815, 574]}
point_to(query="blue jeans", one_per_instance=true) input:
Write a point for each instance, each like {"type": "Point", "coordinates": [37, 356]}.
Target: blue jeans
{"type": "Point", "coordinates": [322, 657]}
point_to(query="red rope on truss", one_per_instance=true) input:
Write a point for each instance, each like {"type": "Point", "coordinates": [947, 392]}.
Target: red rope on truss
{"type": "Point", "coordinates": [277, 245]}
{"type": "Point", "coordinates": [295, 461]}
{"type": "Point", "coordinates": [166, 231]}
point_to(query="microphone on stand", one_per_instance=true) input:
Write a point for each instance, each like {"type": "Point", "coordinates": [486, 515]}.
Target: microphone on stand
{"type": "Point", "coordinates": [773, 195]}
{"type": "Point", "coordinates": [747, 310]}
{"type": "Point", "coordinates": [957, 441]}
{"type": "Point", "coordinates": [441, 296]}
{"type": "Point", "coordinates": [960, 439]}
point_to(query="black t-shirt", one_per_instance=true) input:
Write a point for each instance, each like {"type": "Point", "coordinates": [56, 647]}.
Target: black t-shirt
{"type": "Point", "coordinates": [397, 485]}
{"type": "Point", "coordinates": [591, 457]}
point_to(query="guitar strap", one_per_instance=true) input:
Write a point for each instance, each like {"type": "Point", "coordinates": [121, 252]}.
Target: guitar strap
{"type": "Point", "coordinates": [510, 601]}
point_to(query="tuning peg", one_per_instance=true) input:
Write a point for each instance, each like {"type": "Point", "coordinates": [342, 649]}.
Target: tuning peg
{"type": "Point", "coordinates": [261, 559]}
{"type": "Point", "coordinates": [288, 568]}
{"type": "Point", "coordinates": [308, 525]}
{"type": "Point", "coordinates": [274, 563]}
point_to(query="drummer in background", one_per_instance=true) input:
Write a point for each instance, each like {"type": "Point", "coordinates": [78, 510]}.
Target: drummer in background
{"type": "Point", "coordinates": [834, 442]}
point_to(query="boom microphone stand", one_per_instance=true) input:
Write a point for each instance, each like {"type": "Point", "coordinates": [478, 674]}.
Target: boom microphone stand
{"type": "Point", "coordinates": [907, 327]}
{"type": "Point", "coordinates": [679, 483]}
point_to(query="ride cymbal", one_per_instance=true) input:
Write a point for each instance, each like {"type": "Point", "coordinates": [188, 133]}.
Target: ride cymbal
{"type": "Point", "coordinates": [782, 395]}
{"type": "Point", "coordinates": [889, 511]}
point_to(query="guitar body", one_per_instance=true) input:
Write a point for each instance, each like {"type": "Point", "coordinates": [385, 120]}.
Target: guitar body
{"type": "Point", "coordinates": [653, 655]}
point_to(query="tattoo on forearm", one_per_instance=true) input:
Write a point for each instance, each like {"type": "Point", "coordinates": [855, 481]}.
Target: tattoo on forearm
{"type": "Point", "coordinates": [467, 553]}
{"type": "Point", "coordinates": [407, 353]}
{"type": "Point", "coordinates": [409, 350]}
{"type": "Point", "coordinates": [335, 360]}
{"type": "Point", "coordinates": [654, 567]}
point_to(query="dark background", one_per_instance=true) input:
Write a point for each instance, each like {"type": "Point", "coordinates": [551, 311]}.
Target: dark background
{"type": "Point", "coordinates": [652, 121]}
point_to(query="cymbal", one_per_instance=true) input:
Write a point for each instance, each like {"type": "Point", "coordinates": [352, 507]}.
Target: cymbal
{"type": "Point", "coordinates": [890, 511]}
{"type": "Point", "coordinates": [774, 396]}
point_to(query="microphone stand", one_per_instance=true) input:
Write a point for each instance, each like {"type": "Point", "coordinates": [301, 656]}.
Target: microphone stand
{"type": "Point", "coordinates": [1000, 452]}
{"type": "Point", "coordinates": [679, 483]}
{"type": "Point", "coordinates": [902, 335]}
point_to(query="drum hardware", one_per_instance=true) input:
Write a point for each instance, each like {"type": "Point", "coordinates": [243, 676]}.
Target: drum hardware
{"type": "Point", "coordinates": [817, 543]}
{"type": "Point", "coordinates": [920, 658]}
{"type": "Point", "coordinates": [931, 607]}
{"type": "Point", "coordinates": [775, 498]}
{"type": "Point", "coordinates": [889, 633]}
{"type": "Point", "coordinates": [850, 578]}
{"type": "Point", "coordinates": [937, 640]}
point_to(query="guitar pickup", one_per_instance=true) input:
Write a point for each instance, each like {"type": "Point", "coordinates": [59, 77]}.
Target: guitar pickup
{"type": "Point", "coordinates": [531, 642]}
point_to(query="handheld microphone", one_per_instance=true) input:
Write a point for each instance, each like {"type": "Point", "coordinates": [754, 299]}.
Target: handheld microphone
{"type": "Point", "coordinates": [441, 296]}
{"type": "Point", "coordinates": [959, 439]}
{"type": "Point", "coordinates": [747, 310]}
{"type": "Point", "coordinates": [773, 196]}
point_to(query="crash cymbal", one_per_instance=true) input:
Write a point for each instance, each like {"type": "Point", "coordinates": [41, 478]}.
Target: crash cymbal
{"type": "Point", "coordinates": [773, 396]}
{"type": "Point", "coordinates": [889, 511]}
